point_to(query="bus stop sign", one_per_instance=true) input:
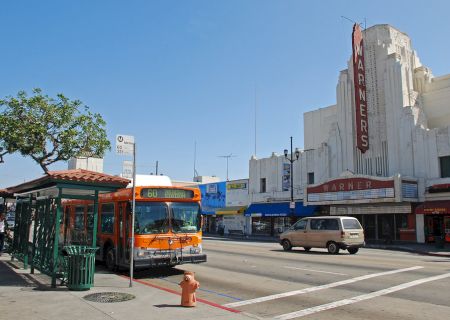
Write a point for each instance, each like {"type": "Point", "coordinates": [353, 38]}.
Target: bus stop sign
{"type": "Point", "coordinates": [124, 145]}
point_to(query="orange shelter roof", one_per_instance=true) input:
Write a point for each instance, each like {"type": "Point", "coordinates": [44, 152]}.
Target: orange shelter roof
{"type": "Point", "coordinates": [77, 176]}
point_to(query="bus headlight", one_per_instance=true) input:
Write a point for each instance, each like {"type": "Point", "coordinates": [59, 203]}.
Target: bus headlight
{"type": "Point", "coordinates": [195, 250]}
{"type": "Point", "coordinates": [140, 253]}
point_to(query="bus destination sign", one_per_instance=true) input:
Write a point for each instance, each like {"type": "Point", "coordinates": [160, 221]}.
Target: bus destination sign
{"type": "Point", "coordinates": [166, 193]}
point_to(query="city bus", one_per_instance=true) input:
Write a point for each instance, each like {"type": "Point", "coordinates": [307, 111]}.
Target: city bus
{"type": "Point", "coordinates": [167, 226]}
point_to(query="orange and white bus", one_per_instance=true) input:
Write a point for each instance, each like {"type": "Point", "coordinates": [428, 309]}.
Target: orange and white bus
{"type": "Point", "coordinates": [167, 226]}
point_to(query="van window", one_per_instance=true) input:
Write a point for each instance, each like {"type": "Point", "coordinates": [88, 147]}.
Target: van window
{"type": "Point", "coordinates": [317, 224]}
{"type": "Point", "coordinates": [300, 225]}
{"type": "Point", "coordinates": [332, 224]}
{"type": "Point", "coordinates": [351, 224]}
{"type": "Point", "coordinates": [324, 224]}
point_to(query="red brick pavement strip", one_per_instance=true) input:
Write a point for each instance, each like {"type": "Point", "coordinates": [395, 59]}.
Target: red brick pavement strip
{"type": "Point", "coordinates": [179, 294]}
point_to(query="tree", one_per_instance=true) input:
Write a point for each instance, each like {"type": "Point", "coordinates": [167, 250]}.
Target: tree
{"type": "Point", "coordinates": [50, 130]}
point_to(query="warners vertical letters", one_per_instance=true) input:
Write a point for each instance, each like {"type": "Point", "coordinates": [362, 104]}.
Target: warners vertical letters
{"type": "Point", "coordinates": [359, 79]}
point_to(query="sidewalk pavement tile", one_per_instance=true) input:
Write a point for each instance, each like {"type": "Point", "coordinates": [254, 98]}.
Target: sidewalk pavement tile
{"type": "Point", "coordinates": [22, 298]}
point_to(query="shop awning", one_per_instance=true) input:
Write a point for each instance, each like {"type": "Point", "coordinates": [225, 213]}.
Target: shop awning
{"type": "Point", "coordinates": [278, 209]}
{"type": "Point", "coordinates": [231, 210]}
{"type": "Point", "coordinates": [434, 207]}
{"type": "Point", "coordinates": [208, 211]}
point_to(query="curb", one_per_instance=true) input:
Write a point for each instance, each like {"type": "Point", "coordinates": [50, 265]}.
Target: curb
{"type": "Point", "coordinates": [406, 249]}
{"type": "Point", "coordinates": [368, 246]}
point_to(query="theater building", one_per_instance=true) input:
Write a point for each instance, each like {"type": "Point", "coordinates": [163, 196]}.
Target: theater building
{"type": "Point", "coordinates": [382, 151]}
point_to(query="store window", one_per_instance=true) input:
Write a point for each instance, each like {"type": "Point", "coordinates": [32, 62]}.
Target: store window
{"type": "Point", "coordinates": [107, 218]}
{"type": "Point", "coordinates": [263, 185]}
{"type": "Point", "coordinates": [281, 224]}
{"type": "Point", "coordinates": [386, 230]}
{"type": "Point", "coordinates": [445, 166]}
{"type": "Point", "coordinates": [261, 225]}
{"type": "Point", "coordinates": [310, 177]}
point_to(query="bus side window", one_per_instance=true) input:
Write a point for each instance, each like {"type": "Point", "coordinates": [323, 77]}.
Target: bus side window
{"type": "Point", "coordinates": [107, 218]}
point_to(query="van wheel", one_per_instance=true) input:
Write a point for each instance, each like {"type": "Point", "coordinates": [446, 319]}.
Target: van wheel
{"type": "Point", "coordinates": [307, 248]}
{"type": "Point", "coordinates": [110, 260]}
{"type": "Point", "coordinates": [352, 250]}
{"type": "Point", "coordinates": [332, 247]}
{"type": "Point", "coordinates": [286, 245]}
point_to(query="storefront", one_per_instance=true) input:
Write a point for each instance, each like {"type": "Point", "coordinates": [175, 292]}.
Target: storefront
{"type": "Point", "coordinates": [436, 219]}
{"type": "Point", "coordinates": [271, 219]}
{"type": "Point", "coordinates": [232, 220]}
{"type": "Point", "coordinates": [209, 220]}
{"type": "Point", "coordinates": [213, 198]}
{"type": "Point", "coordinates": [382, 205]}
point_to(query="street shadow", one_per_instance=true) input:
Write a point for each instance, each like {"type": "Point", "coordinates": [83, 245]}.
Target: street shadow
{"type": "Point", "coordinates": [304, 252]}
{"type": "Point", "coordinates": [10, 278]}
{"type": "Point", "coordinates": [167, 305]}
{"type": "Point", "coordinates": [241, 238]}
{"type": "Point", "coordinates": [42, 287]}
{"type": "Point", "coordinates": [154, 273]}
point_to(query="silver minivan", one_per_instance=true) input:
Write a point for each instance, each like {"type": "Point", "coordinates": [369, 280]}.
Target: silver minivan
{"type": "Point", "coordinates": [331, 232]}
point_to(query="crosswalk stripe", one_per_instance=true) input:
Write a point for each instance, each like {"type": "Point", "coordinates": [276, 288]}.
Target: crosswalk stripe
{"type": "Point", "coordinates": [322, 287]}
{"type": "Point", "coordinates": [363, 297]}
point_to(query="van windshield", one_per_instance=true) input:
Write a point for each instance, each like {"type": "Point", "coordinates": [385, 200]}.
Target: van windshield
{"type": "Point", "coordinates": [351, 224]}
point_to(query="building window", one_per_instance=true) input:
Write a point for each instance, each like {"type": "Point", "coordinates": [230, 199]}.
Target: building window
{"type": "Point", "coordinates": [445, 166]}
{"type": "Point", "coordinates": [310, 177]}
{"type": "Point", "coordinates": [263, 185]}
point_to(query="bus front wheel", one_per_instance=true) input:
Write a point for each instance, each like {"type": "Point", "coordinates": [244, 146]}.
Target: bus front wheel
{"type": "Point", "coordinates": [110, 259]}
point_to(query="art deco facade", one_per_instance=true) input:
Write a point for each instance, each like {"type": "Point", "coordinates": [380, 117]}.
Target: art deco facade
{"type": "Point", "coordinates": [391, 185]}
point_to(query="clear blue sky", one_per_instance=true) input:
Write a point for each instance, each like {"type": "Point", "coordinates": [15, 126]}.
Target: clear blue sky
{"type": "Point", "coordinates": [175, 72]}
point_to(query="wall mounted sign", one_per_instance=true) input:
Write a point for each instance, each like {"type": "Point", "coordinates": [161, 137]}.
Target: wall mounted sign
{"type": "Point", "coordinates": [236, 185]}
{"type": "Point", "coordinates": [359, 80]}
{"type": "Point", "coordinates": [351, 189]}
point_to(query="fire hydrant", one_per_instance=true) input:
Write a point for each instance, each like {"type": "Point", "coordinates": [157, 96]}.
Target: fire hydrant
{"type": "Point", "coordinates": [188, 287]}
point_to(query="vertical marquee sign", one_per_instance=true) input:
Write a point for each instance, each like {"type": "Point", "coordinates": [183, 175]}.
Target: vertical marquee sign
{"type": "Point", "coordinates": [359, 79]}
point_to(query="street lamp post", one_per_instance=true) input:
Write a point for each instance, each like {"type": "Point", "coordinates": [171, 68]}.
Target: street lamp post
{"type": "Point", "coordinates": [291, 160]}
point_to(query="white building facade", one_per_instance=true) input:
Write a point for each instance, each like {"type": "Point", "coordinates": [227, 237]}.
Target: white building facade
{"type": "Point", "coordinates": [380, 151]}
{"type": "Point", "coordinates": [86, 163]}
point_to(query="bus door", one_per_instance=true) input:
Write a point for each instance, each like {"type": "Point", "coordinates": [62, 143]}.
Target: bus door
{"type": "Point", "coordinates": [122, 251]}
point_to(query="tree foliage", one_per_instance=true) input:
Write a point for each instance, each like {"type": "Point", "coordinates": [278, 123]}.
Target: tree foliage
{"type": "Point", "coordinates": [50, 129]}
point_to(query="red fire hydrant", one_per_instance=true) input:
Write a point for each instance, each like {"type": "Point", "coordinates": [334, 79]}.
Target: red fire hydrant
{"type": "Point", "coordinates": [188, 287]}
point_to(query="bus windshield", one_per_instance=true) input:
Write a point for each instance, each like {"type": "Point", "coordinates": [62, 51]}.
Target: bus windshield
{"type": "Point", "coordinates": [186, 217]}
{"type": "Point", "coordinates": [151, 217]}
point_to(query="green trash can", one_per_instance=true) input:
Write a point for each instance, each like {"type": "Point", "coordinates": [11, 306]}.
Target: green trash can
{"type": "Point", "coordinates": [80, 267]}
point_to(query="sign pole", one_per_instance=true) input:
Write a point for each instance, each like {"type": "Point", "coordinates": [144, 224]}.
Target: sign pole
{"type": "Point", "coordinates": [133, 215]}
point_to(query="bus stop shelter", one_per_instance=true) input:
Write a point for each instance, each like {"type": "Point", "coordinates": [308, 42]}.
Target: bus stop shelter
{"type": "Point", "coordinates": [38, 234]}
{"type": "Point", "coordinates": [5, 197]}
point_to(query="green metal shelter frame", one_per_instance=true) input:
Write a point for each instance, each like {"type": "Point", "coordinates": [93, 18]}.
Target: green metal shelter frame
{"type": "Point", "coordinates": [38, 241]}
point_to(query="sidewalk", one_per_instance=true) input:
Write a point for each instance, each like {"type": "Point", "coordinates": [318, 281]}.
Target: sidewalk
{"type": "Point", "coordinates": [26, 296]}
{"type": "Point", "coordinates": [419, 248]}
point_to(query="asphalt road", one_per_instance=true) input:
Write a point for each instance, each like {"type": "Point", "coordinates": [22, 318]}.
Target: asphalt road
{"type": "Point", "coordinates": [265, 282]}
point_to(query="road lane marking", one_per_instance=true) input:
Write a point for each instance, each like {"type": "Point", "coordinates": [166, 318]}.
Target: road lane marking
{"type": "Point", "coordinates": [322, 287]}
{"type": "Point", "coordinates": [295, 268]}
{"type": "Point", "coordinates": [363, 297]}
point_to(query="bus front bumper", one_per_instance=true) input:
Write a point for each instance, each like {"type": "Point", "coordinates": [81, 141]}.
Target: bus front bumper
{"type": "Point", "coordinates": [168, 261]}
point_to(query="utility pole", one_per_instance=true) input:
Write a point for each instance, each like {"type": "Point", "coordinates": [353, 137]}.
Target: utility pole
{"type": "Point", "coordinates": [227, 157]}
{"type": "Point", "coordinates": [292, 160]}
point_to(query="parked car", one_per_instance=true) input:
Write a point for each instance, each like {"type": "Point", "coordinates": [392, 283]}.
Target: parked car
{"type": "Point", "coordinates": [331, 232]}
